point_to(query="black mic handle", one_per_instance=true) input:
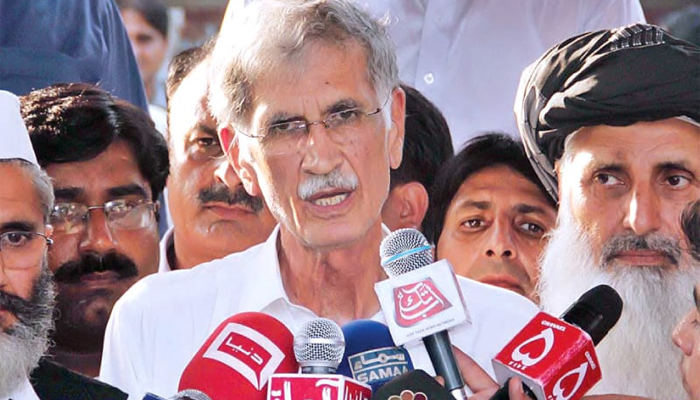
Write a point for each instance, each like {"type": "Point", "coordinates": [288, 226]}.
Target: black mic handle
{"type": "Point", "coordinates": [502, 392]}
{"type": "Point", "coordinates": [443, 358]}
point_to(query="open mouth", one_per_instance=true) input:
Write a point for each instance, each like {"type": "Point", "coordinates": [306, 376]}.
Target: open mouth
{"type": "Point", "coordinates": [330, 200]}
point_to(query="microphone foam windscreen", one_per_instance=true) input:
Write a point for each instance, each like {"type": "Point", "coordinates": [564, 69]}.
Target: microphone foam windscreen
{"type": "Point", "coordinates": [405, 250]}
{"type": "Point", "coordinates": [371, 356]}
{"type": "Point", "coordinates": [595, 312]}
{"type": "Point", "coordinates": [239, 357]}
{"type": "Point", "coordinates": [319, 343]}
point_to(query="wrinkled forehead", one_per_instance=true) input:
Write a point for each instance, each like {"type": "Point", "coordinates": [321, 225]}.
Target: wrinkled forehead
{"type": "Point", "coordinates": [673, 140]}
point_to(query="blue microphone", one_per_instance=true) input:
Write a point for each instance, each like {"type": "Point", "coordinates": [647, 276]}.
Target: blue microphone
{"type": "Point", "coordinates": [371, 356]}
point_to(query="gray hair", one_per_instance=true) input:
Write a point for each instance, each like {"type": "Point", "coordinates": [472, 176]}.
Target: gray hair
{"type": "Point", "coordinates": [41, 182]}
{"type": "Point", "coordinates": [268, 33]}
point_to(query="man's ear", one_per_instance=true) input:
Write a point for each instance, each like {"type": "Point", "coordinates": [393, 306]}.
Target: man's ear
{"type": "Point", "coordinates": [242, 168]}
{"type": "Point", "coordinates": [396, 132]}
{"type": "Point", "coordinates": [406, 206]}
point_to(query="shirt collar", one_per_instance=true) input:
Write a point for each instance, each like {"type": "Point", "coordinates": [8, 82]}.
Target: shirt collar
{"type": "Point", "coordinates": [266, 267]}
{"type": "Point", "coordinates": [264, 278]}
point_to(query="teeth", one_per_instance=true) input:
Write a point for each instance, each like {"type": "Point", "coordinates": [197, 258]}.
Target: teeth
{"type": "Point", "coordinates": [330, 201]}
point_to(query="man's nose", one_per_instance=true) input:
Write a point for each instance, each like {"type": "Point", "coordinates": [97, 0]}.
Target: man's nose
{"type": "Point", "coordinates": [500, 241]}
{"type": "Point", "coordinates": [97, 236]}
{"type": "Point", "coordinates": [322, 155]}
{"type": "Point", "coordinates": [643, 215]}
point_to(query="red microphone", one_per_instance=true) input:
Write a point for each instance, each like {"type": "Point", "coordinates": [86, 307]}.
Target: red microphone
{"type": "Point", "coordinates": [555, 358]}
{"type": "Point", "coordinates": [239, 357]}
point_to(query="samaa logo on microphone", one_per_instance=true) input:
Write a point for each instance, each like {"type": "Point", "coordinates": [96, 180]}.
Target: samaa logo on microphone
{"type": "Point", "coordinates": [418, 301]}
{"type": "Point", "coordinates": [378, 364]}
{"type": "Point", "coordinates": [247, 352]}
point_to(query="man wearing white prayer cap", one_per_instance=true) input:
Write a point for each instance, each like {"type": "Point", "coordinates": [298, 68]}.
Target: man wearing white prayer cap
{"type": "Point", "coordinates": [26, 288]}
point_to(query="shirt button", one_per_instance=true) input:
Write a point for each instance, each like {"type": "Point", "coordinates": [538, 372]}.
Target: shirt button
{"type": "Point", "coordinates": [429, 78]}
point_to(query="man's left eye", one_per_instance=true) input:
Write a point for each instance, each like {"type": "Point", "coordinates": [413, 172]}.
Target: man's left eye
{"type": "Point", "coordinates": [678, 181]}
{"type": "Point", "coordinates": [206, 141]}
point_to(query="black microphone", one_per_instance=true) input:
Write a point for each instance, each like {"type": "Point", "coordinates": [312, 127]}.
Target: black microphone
{"type": "Point", "coordinates": [595, 313]}
{"type": "Point", "coordinates": [404, 251]}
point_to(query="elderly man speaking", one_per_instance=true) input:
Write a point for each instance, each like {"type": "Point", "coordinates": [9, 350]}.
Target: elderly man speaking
{"type": "Point", "coordinates": [613, 117]}
{"type": "Point", "coordinates": [309, 108]}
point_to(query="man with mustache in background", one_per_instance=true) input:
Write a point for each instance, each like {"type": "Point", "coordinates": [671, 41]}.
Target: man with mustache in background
{"type": "Point", "coordinates": [108, 165]}
{"type": "Point", "coordinates": [26, 291]}
{"type": "Point", "coordinates": [210, 220]}
{"type": "Point", "coordinates": [611, 122]}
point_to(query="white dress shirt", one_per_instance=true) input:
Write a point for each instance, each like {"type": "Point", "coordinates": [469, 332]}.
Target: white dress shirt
{"type": "Point", "coordinates": [24, 392]}
{"type": "Point", "coordinates": [165, 242]}
{"type": "Point", "coordinates": [467, 56]}
{"type": "Point", "coordinates": [160, 323]}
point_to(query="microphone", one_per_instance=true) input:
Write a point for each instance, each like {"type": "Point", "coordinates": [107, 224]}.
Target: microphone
{"type": "Point", "coordinates": [416, 385]}
{"type": "Point", "coordinates": [555, 358]}
{"type": "Point", "coordinates": [318, 348]}
{"type": "Point", "coordinates": [422, 300]}
{"type": "Point", "coordinates": [370, 354]}
{"type": "Point", "coordinates": [238, 358]}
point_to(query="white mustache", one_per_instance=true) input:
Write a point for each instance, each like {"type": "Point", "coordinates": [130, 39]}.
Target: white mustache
{"type": "Point", "coordinates": [332, 180]}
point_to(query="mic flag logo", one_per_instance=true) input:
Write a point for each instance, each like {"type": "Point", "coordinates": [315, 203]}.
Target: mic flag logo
{"type": "Point", "coordinates": [523, 354]}
{"type": "Point", "coordinates": [418, 301]}
{"type": "Point", "coordinates": [567, 393]}
{"type": "Point", "coordinates": [247, 352]}
{"type": "Point", "coordinates": [409, 395]}
{"type": "Point", "coordinates": [378, 364]}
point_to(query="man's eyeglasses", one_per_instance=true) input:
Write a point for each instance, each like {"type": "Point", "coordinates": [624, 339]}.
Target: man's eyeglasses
{"type": "Point", "coordinates": [121, 214]}
{"type": "Point", "coordinates": [341, 127]}
{"type": "Point", "coordinates": [22, 249]}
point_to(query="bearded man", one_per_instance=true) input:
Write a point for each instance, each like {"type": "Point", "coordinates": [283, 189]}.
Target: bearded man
{"type": "Point", "coordinates": [610, 122]}
{"type": "Point", "coordinates": [26, 289]}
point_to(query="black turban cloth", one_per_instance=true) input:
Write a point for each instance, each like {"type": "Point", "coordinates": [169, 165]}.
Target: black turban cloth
{"type": "Point", "coordinates": [611, 77]}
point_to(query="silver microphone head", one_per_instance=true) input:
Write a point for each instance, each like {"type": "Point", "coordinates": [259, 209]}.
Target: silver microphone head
{"type": "Point", "coordinates": [319, 346]}
{"type": "Point", "coordinates": [404, 250]}
{"type": "Point", "coordinates": [190, 394]}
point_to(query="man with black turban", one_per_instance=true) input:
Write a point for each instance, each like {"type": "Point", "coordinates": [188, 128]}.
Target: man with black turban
{"type": "Point", "coordinates": [610, 122]}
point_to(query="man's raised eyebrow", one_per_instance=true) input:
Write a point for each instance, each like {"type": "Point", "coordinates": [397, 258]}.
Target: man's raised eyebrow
{"type": "Point", "coordinates": [529, 209]}
{"type": "Point", "coordinates": [68, 193]}
{"type": "Point", "coordinates": [25, 226]}
{"type": "Point", "coordinates": [206, 129]}
{"type": "Point", "coordinates": [341, 105]}
{"type": "Point", "coordinates": [281, 117]}
{"type": "Point", "coordinates": [673, 165]}
{"type": "Point", "coordinates": [480, 205]}
{"type": "Point", "coordinates": [127, 190]}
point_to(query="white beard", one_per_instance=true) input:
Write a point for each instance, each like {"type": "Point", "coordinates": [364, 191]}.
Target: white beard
{"type": "Point", "coordinates": [23, 344]}
{"type": "Point", "coordinates": [637, 356]}
{"type": "Point", "coordinates": [21, 352]}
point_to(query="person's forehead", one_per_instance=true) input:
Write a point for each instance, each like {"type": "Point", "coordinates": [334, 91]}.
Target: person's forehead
{"type": "Point", "coordinates": [18, 197]}
{"type": "Point", "coordinates": [97, 178]}
{"type": "Point", "coordinates": [649, 143]}
{"type": "Point", "coordinates": [501, 184]}
{"type": "Point", "coordinates": [320, 69]}
{"type": "Point", "coordinates": [188, 105]}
